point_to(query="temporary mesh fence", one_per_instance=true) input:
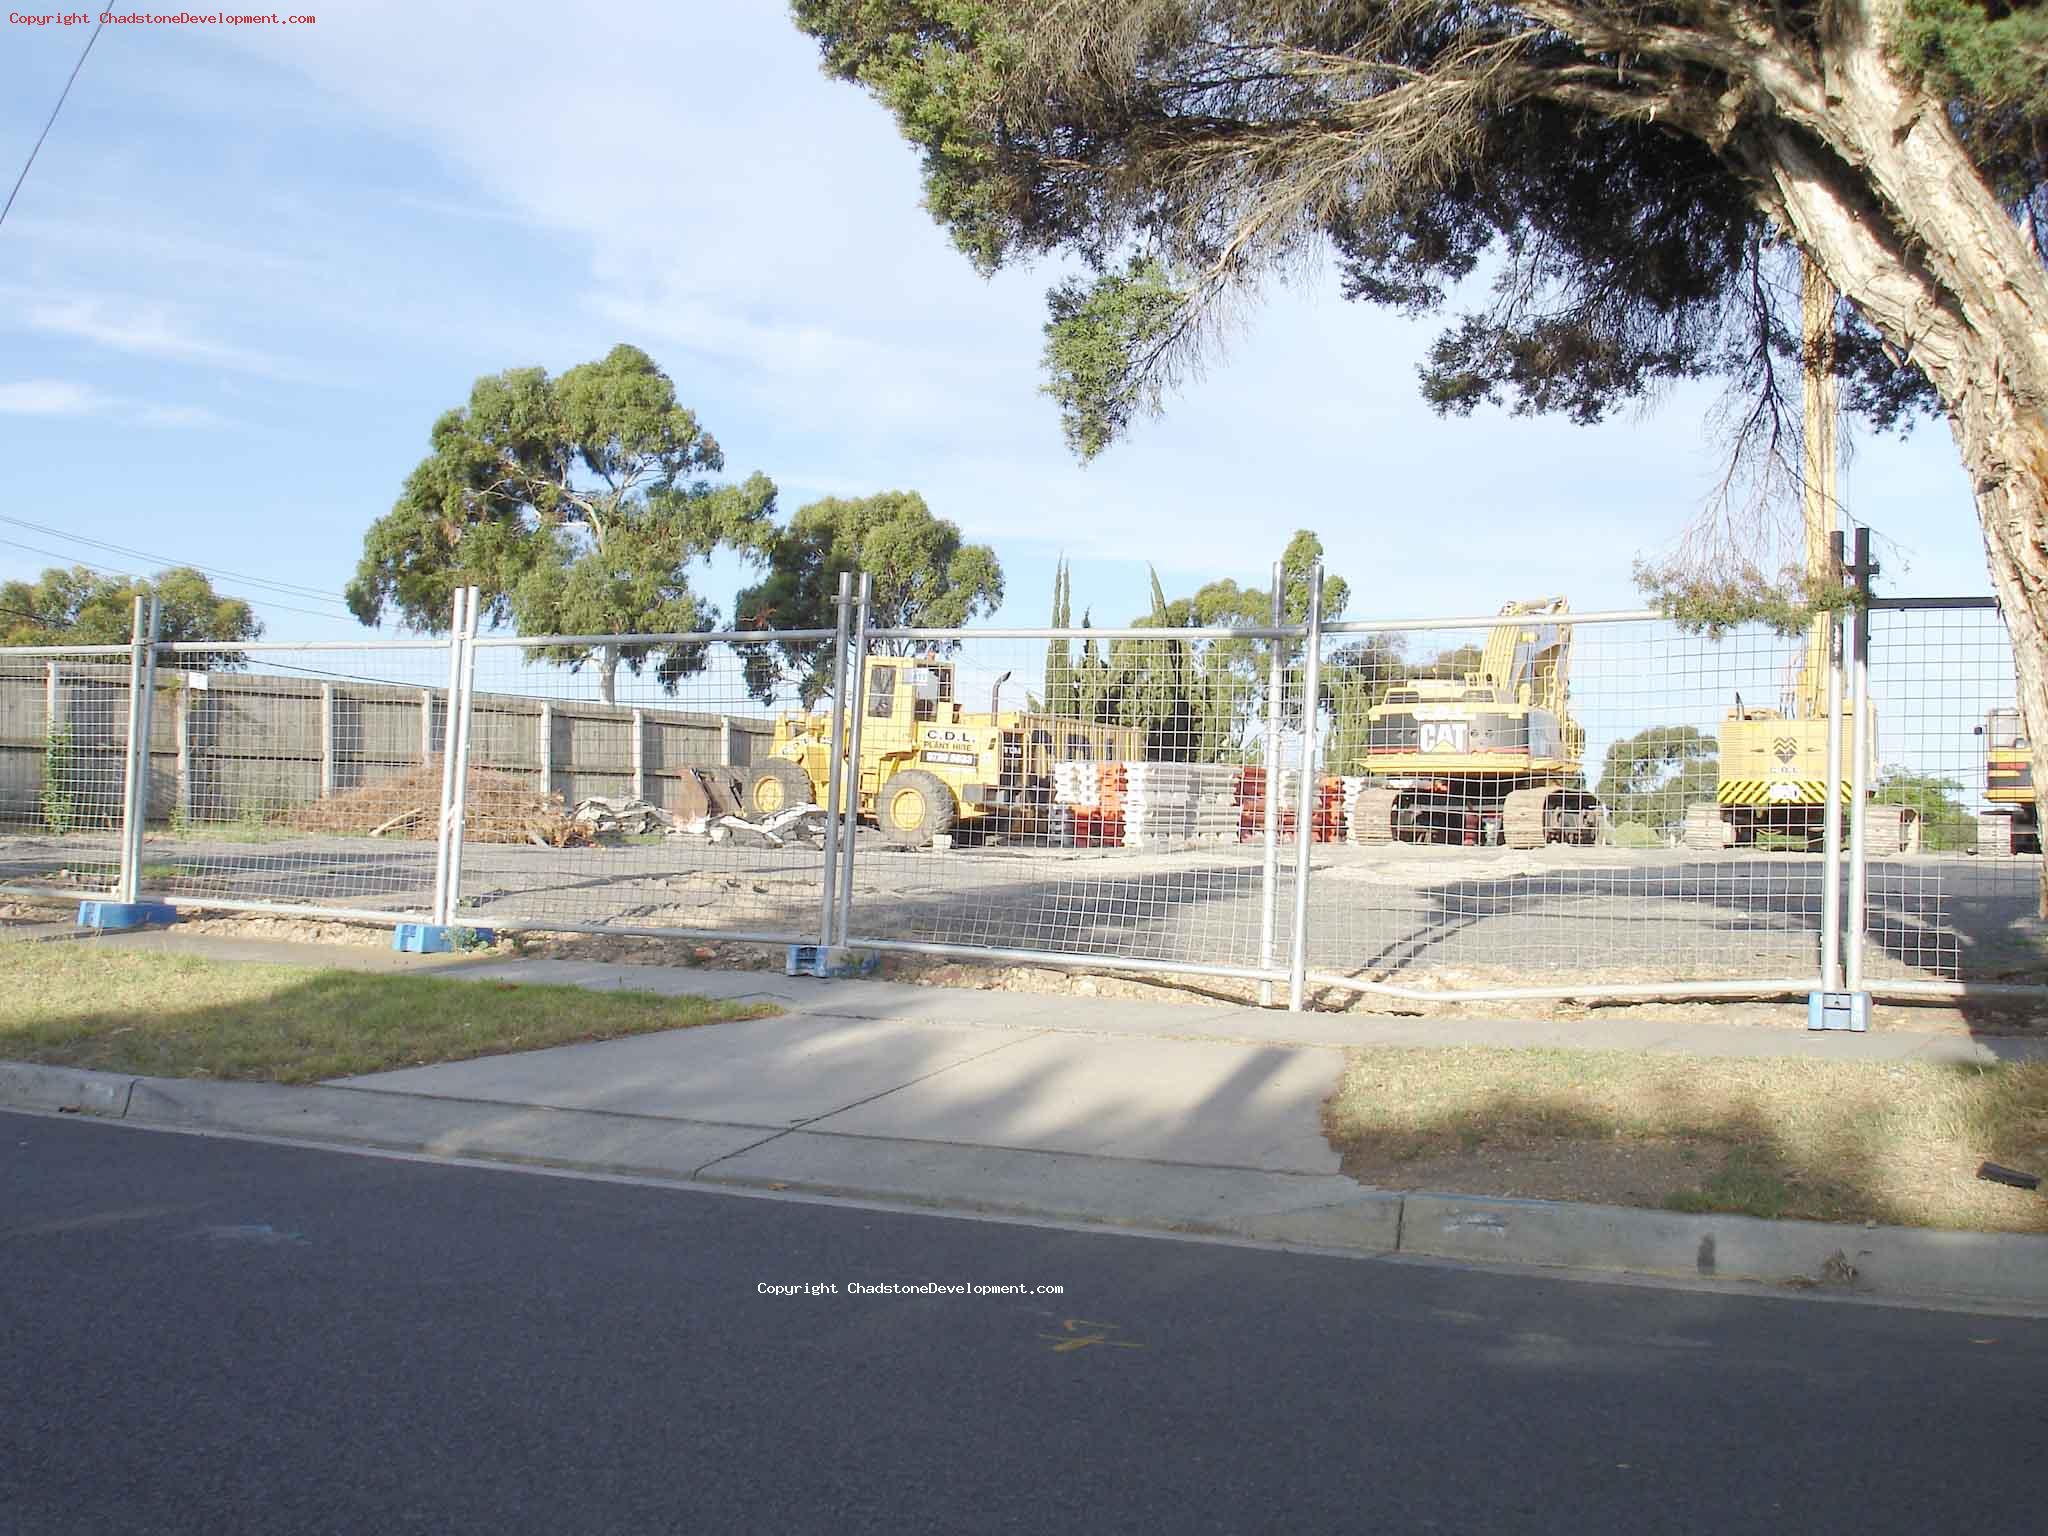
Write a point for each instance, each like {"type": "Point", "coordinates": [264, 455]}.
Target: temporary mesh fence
{"type": "Point", "coordinates": [1950, 751]}
{"type": "Point", "coordinates": [1081, 794]}
{"type": "Point", "coordinates": [297, 777]}
{"type": "Point", "coordinates": [643, 785]}
{"type": "Point", "coordinates": [1514, 804]}
{"type": "Point", "coordinates": [1531, 801]}
{"type": "Point", "coordinates": [63, 767]}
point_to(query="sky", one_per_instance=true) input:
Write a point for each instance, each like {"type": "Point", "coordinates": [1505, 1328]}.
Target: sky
{"type": "Point", "coordinates": [252, 265]}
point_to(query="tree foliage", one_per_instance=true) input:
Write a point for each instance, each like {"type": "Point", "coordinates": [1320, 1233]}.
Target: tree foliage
{"type": "Point", "coordinates": [1636, 185]}
{"type": "Point", "coordinates": [1652, 776]}
{"type": "Point", "coordinates": [81, 606]}
{"type": "Point", "coordinates": [924, 577]}
{"type": "Point", "coordinates": [1199, 698]}
{"type": "Point", "coordinates": [577, 504]}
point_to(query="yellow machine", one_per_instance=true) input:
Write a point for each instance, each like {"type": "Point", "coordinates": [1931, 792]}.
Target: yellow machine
{"type": "Point", "coordinates": [1488, 758]}
{"type": "Point", "coordinates": [1773, 775]}
{"type": "Point", "coordinates": [927, 766]}
{"type": "Point", "coordinates": [2011, 820]}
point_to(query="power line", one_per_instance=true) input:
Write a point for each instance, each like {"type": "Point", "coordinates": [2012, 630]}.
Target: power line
{"type": "Point", "coordinates": [37, 549]}
{"type": "Point", "coordinates": [290, 588]}
{"type": "Point", "coordinates": [53, 118]}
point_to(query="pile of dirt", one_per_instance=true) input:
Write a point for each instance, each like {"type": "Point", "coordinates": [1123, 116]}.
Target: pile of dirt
{"type": "Point", "coordinates": [500, 808]}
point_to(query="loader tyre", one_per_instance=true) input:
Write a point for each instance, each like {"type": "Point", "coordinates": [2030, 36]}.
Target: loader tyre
{"type": "Point", "coordinates": [914, 807]}
{"type": "Point", "coordinates": [773, 787]}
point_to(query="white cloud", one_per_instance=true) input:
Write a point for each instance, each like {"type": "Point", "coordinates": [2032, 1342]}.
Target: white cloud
{"type": "Point", "coordinates": [141, 327]}
{"type": "Point", "coordinates": [60, 397]}
{"type": "Point", "coordinates": [48, 397]}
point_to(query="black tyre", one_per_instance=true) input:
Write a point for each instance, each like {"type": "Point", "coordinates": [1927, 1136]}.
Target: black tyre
{"type": "Point", "coordinates": [775, 787]}
{"type": "Point", "coordinates": [914, 807]}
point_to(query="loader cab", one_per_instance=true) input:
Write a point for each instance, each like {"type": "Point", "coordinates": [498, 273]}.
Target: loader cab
{"type": "Point", "coordinates": [2002, 731]}
{"type": "Point", "coordinates": [906, 690]}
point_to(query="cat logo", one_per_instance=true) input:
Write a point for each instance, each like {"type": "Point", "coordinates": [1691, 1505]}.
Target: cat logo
{"type": "Point", "coordinates": [1784, 749]}
{"type": "Point", "coordinates": [1443, 735]}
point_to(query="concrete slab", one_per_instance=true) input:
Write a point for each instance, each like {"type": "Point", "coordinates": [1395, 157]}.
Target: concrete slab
{"type": "Point", "coordinates": [28, 1085]}
{"type": "Point", "coordinates": [1179, 1101]}
{"type": "Point", "coordinates": [1308, 1208]}
{"type": "Point", "coordinates": [772, 1072]}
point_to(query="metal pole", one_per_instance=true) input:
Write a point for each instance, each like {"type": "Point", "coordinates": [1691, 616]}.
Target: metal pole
{"type": "Point", "coordinates": [1831, 823]}
{"type": "Point", "coordinates": [455, 624]}
{"type": "Point", "coordinates": [1269, 863]}
{"type": "Point", "coordinates": [856, 694]}
{"type": "Point", "coordinates": [125, 880]}
{"type": "Point", "coordinates": [1305, 800]}
{"type": "Point", "coordinates": [828, 905]}
{"type": "Point", "coordinates": [1859, 769]}
{"type": "Point", "coordinates": [458, 723]}
{"type": "Point", "coordinates": [141, 721]}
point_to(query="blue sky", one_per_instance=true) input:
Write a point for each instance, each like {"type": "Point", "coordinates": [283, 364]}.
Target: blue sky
{"type": "Point", "coordinates": [251, 266]}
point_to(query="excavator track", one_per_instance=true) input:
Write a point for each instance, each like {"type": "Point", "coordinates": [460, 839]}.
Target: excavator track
{"type": "Point", "coordinates": [1995, 837]}
{"type": "Point", "coordinates": [1523, 823]}
{"type": "Point", "coordinates": [1891, 829]}
{"type": "Point", "coordinates": [1706, 827]}
{"type": "Point", "coordinates": [1372, 817]}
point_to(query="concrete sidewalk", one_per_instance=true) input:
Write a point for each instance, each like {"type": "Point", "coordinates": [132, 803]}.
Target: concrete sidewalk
{"type": "Point", "coordinates": [1163, 1116]}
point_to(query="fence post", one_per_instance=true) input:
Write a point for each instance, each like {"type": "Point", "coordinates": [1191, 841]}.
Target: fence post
{"type": "Point", "coordinates": [1305, 800]}
{"type": "Point", "coordinates": [1269, 864]}
{"type": "Point", "coordinates": [427, 723]}
{"type": "Point", "coordinates": [135, 777]}
{"type": "Point", "coordinates": [1831, 819]}
{"type": "Point", "coordinates": [547, 748]}
{"type": "Point", "coordinates": [725, 740]}
{"type": "Point", "coordinates": [327, 775]}
{"type": "Point", "coordinates": [1860, 747]}
{"type": "Point", "coordinates": [827, 899]}
{"type": "Point", "coordinates": [186, 694]}
{"type": "Point", "coordinates": [460, 709]}
{"type": "Point", "coordinates": [441, 850]}
{"type": "Point", "coordinates": [856, 695]}
{"type": "Point", "coordinates": [639, 755]}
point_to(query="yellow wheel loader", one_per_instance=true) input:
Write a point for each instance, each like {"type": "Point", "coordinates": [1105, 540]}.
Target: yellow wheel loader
{"type": "Point", "coordinates": [1489, 758]}
{"type": "Point", "coordinates": [929, 768]}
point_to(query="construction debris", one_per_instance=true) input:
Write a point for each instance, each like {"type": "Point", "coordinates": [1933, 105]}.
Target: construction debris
{"type": "Point", "coordinates": [499, 807]}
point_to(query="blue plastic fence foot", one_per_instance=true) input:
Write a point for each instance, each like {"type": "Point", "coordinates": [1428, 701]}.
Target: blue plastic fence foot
{"type": "Point", "coordinates": [126, 914]}
{"type": "Point", "coordinates": [830, 963]}
{"type": "Point", "coordinates": [1838, 1010]}
{"type": "Point", "coordinates": [439, 938]}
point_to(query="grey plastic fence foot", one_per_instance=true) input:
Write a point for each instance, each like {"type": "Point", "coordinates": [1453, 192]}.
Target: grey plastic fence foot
{"type": "Point", "coordinates": [126, 914]}
{"type": "Point", "coordinates": [439, 938]}
{"type": "Point", "coordinates": [1838, 1010]}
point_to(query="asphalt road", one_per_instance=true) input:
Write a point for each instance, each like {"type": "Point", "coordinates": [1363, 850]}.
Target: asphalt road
{"type": "Point", "coordinates": [215, 1336]}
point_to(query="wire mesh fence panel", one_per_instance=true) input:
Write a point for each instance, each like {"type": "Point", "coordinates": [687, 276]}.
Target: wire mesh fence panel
{"type": "Point", "coordinates": [297, 776]}
{"type": "Point", "coordinates": [1953, 833]}
{"type": "Point", "coordinates": [1072, 794]}
{"type": "Point", "coordinates": [673, 789]}
{"type": "Point", "coordinates": [1540, 802]}
{"type": "Point", "coordinates": [63, 750]}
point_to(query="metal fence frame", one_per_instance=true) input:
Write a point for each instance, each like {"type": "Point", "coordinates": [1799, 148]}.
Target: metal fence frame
{"type": "Point", "coordinates": [1838, 964]}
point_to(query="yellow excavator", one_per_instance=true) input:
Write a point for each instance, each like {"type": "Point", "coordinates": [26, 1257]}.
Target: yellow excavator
{"type": "Point", "coordinates": [1773, 776]}
{"type": "Point", "coordinates": [1487, 758]}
